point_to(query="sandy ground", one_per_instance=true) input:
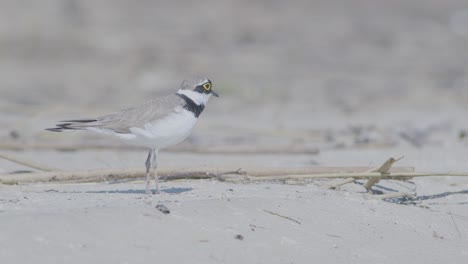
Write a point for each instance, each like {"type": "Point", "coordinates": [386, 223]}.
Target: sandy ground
{"type": "Point", "coordinates": [359, 81]}
{"type": "Point", "coordinates": [116, 222]}
{"type": "Point", "coordinates": [213, 222]}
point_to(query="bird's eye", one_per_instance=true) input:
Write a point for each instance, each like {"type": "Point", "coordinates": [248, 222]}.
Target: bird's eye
{"type": "Point", "coordinates": [207, 86]}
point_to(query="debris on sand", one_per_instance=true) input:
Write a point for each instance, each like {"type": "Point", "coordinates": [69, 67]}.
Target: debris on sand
{"type": "Point", "coordinates": [163, 209]}
{"type": "Point", "coordinates": [239, 237]}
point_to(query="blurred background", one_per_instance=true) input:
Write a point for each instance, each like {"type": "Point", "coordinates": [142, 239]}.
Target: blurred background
{"type": "Point", "coordinates": [294, 76]}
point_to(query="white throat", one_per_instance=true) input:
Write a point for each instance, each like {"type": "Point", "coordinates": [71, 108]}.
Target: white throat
{"type": "Point", "coordinates": [196, 97]}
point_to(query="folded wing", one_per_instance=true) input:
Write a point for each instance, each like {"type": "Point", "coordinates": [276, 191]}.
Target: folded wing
{"type": "Point", "coordinates": [123, 121]}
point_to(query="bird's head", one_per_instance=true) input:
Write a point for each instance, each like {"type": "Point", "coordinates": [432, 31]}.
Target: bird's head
{"type": "Point", "coordinates": [199, 89]}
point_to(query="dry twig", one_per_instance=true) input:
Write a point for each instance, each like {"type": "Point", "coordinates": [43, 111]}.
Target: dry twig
{"type": "Point", "coordinates": [394, 195]}
{"type": "Point", "coordinates": [283, 216]}
{"type": "Point", "coordinates": [341, 183]}
{"type": "Point", "coordinates": [361, 175]}
{"type": "Point", "coordinates": [180, 148]}
{"type": "Point", "coordinates": [229, 174]}
{"type": "Point", "coordinates": [383, 169]}
{"type": "Point", "coordinates": [29, 164]}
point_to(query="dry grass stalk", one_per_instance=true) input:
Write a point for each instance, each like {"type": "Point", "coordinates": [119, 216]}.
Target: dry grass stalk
{"type": "Point", "coordinates": [228, 174]}
{"type": "Point", "coordinates": [282, 216]}
{"type": "Point", "coordinates": [356, 176]}
{"type": "Point", "coordinates": [341, 183]}
{"type": "Point", "coordinates": [27, 163]}
{"type": "Point", "coordinates": [180, 148]}
{"type": "Point", "coordinates": [383, 170]}
{"type": "Point", "coordinates": [394, 195]}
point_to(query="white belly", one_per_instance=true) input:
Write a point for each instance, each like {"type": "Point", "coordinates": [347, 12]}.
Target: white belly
{"type": "Point", "coordinates": [168, 131]}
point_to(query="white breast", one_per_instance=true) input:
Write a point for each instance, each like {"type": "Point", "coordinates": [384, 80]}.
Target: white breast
{"type": "Point", "coordinates": [165, 132]}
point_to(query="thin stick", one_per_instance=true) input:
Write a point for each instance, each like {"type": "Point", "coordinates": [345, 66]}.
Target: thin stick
{"type": "Point", "coordinates": [105, 175]}
{"type": "Point", "coordinates": [393, 195]}
{"type": "Point", "coordinates": [65, 147]}
{"type": "Point", "coordinates": [192, 173]}
{"type": "Point", "coordinates": [283, 216]}
{"type": "Point", "coordinates": [176, 149]}
{"type": "Point", "coordinates": [456, 226]}
{"type": "Point", "coordinates": [93, 176]}
{"type": "Point", "coordinates": [383, 169]}
{"type": "Point", "coordinates": [364, 175]}
{"type": "Point", "coordinates": [29, 164]}
{"type": "Point", "coordinates": [386, 166]}
{"type": "Point", "coordinates": [336, 185]}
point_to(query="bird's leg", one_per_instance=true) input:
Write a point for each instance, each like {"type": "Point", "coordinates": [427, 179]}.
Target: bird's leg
{"type": "Point", "coordinates": [149, 160]}
{"type": "Point", "coordinates": [155, 169]}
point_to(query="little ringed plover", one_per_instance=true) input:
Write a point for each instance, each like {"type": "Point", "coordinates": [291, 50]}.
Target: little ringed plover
{"type": "Point", "coordinates": [156, 124]}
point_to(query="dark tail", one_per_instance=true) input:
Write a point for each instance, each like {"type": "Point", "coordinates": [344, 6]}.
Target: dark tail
{"type": "Point", "coordinates": [70, 125]}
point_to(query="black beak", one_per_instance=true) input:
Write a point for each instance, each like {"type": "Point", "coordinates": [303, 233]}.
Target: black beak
{"type": "Point", "coordinates": [214, 93]}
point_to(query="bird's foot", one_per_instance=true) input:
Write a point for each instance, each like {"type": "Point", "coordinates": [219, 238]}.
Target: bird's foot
{"type": "Point", "coordinates": [148, 190]}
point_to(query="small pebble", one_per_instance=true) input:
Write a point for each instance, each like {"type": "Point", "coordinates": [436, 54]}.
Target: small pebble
{"type": "Point", "coordinates": [163, 208]}
{"type": "Point", "coordinates": [462, 134]}
{"type": "Point", "coordinates": [14, 134]}
{"type": "Point", "coordinates": [239, 237]}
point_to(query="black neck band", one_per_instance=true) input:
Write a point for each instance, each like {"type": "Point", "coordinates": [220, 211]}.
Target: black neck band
{"type": "Point", "coordinates": [191, 106]}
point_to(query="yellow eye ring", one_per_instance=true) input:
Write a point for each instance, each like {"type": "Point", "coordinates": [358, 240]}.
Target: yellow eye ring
{"type": "Point", "coordinates": [207, 86]}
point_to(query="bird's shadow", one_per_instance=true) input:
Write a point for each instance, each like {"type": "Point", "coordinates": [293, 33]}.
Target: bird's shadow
{"type": "Point", "coordinates": [413, 200]}
{"type": "Point", "coordinates": [169, 190]}
{"type": "Point", "coordinates": [439, 195]}
{"type": "Point", "coordinates": [419, 198]}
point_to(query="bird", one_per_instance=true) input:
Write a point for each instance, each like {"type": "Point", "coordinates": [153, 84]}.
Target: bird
{"type": "Point", "coordinates": [155, 124]}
